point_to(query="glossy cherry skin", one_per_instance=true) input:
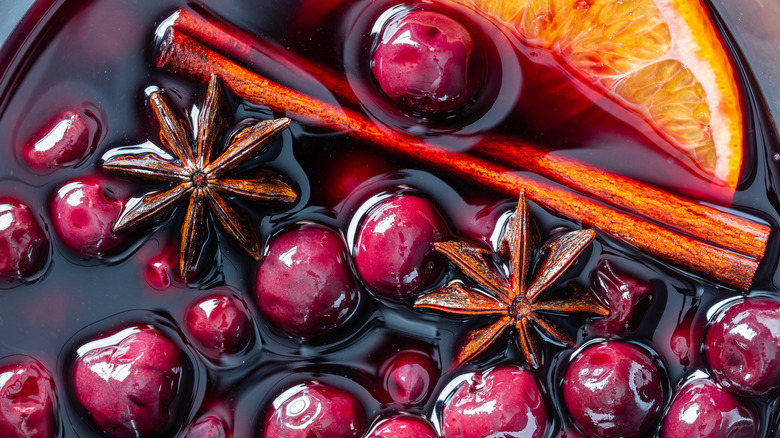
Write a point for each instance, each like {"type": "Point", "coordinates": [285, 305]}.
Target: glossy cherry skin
{"type": "Point", "coordinates": [422, 62]}
{"type": "Point", "coordinates": [209, 426]}
{"type": "Point", "coordinates": [304, 284]}
{"type": "Point", "coordinates": [27, 400]}
{"type": "Point", "coordinates": [83, 212]}
{"type": "Point", "coordinates": [623, 294]}
{"type": "Point", "coordinates": [64, 141]}
{"type": "Point", "coordinates": [315, 409]}
{"type": "Point", "coordinates": [409, 377]}
{"type": "Point", "coordinates": [394, 253]}
{"type": "Point", "coordinates": [402, 426]}
{"type": "Point", "coordinates": [504, 400]}
{"type": "Point", "coordinates": [128, 381]}
{"type": "Point", "coordinates": [24, 245]}
{"type": "Point", "coordinates": [742, 346]}
{"type": "Point", "coordinates": [613, 390]}
{"type": "Point", "coordinates": [220, 323]}
{"type": "Point", "coordinates": [704, 410]}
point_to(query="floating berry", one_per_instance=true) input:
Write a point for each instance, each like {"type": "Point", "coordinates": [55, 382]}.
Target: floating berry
{"type": "Point", "coordinates": [24, 245]}
{"type": "Point", "coordinates": [424, 62]}
{"type": "Point", "coordinates": [498, 402]}
{"type": "Point", "coordinates": [394, 253]}
{"type": "Point", "coordinates": [403, 426]}
{"type": "Point", "coordinates": [624, 294]}
{"type": "Point", "coordinates": [128, 381]}
{"type": "Point", "coordinates": [27, 401]}
{"type": "Point", "coordinates": [83, 213]}
{"type": "Point", "coordinates": [209, 426]}
{"type": "Point", "coordinates": [315, 409]}
{"type": "Point", "coordinates": [408, 377]}
{"type": "Point", "coordinates": [613, 390]}
{"type": "Point", "coordinates": [220, 323]}
{"type": "Point", "coordinates": [742, 346]}
{"type": "Point", "coordinates": [704, 410]}
{"type": "Point", "coordinates": [304, 284]}
{"type": "Point", "coordinates": [64, 141]}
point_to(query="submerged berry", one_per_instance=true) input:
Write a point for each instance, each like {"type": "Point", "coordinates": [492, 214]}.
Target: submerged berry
{"type": "Point", "coordinates": [424, 61]}
{"type": "Point", "coordinates": [623, 294]}
{"type": "Point", "coordinates": [84, 211]}
{"type": "Point", "coordinates": [402, 426]}
{"type": "Point", "coordinates": [304, 284]}
{"type": "Point", "coordinates": [65, 141]}
{"type": "Point", "coordinates": [315, 409]}
{"type": "Point", "coordinates": [504, 401]}
{"type": "Point", "coordinates": [704, 410]}
{"type": "Point", "coordinates": [24, 245]}
{"type": "Point", "coordinates": [394, 253]}
{"type": "Point", "coordinates": [128, 381]}
{"type": "Point", "coordinates": [613, 390]}
{"type": "Point", "coordinates": [220, 323]}
{"type": "Point", "coordinates": [209, 426]}
{"type": "Point", "coordinates": [27, 401]}
{"type": "Point", "coordinates": [408, 377]}
{"type": "Point", "coordinates": [742, 346]}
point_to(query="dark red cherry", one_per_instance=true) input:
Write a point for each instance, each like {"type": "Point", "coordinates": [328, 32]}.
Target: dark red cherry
{"type": "Point", "coordinates": [424, 61]}
{"type": "Point", "coordinates": [209, 426]}
{"type": "Point", "coordinates": [623, 294]}
{"type": "Point", "coordinates": [613, 390]}
{"type": "Point", "coordinates": [704, 410]}
{"type": "Point", "coordinates": [742, 346]}
{"type": "Point", "coordinates": [394, 252]}
{"type": "Point", "coordinates": [83, 212]}
{"type": "Point", "coordinates": [403, 426]}
{"type": "Point", "coordinates": [220, 323]}
{"type": "Point", "coordinates": [24, 245]}
{"type": "Point", "coordinates": [304, 284]}
{"type": "Point", "coordinates": [127, 381]}
{"type": "Point", "coordinates": [314, 409]}
{"type": "Point", "coordinates": [27, 400]}
{"type": "Point", "coordinates": [64, 141]}
{"type": "Point", "coordinates": [504, 401]}
{"type": "Point", "coordinates": [408, 377]}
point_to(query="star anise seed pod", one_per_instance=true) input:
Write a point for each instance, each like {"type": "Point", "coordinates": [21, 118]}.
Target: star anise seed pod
{"type": "Point", "coordinates": [504, 289]}
{"type": "Point", "coordinates": [199, 176]}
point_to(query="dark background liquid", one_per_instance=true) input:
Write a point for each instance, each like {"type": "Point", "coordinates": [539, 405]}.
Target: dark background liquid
{"type": "Point", "coordinates": [67, 60]}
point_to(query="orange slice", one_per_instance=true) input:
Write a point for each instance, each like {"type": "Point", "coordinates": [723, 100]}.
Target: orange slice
{"type": "Point", "coordinates": [662, 59]}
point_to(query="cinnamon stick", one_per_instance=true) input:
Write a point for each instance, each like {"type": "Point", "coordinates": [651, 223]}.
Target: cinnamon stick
{"type": "Point", "coordinates": [702, 222]}
{"type": "Point", "coordinates": [183, 55]}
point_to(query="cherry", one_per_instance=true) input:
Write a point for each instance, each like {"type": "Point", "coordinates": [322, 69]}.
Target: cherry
{"type": "Point", "coordinates": [394, 253]}
{"type": "Point", "coordinates": [623, 294]}
{"type": "Point", "coordinates": [64, 141]}
{"type": "Point", "coordinates": [402, 426]}
{"type": "Point", "coordinates": [742, 346]}
{"type": "Point", "coordinates": [24, 245]}
{"type": "Point", "coordinates": [304, 284]}
{"type": "Point", "coordinates": [162, 269]}
{"type": "Point", "coordinates": [209, 426]}
{"type": "Point", "coordinates": [315, 409]}
{"type": "Point", "coordinates": [408, 377]}
{"type": "Point", "coordinates": [613, 390]}
{"type": "Point", "coordinates": [27, 400]}
{"type": "Point", "coordinates": [501, 401]}
{"type": "Point", "coordinates": [128, 380]}
{"type": "Point", "coordinates": [84, 211]}
{"type": "Point", "coordinates": [704, 410]}
{"type": "Point", "coordinates": [220, 323]}
{"type": "Point", "coordinates": [424, 62]}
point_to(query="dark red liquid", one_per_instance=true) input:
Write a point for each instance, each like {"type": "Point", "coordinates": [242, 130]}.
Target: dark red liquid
{"type": "Point", "coordinates": [68, 61]}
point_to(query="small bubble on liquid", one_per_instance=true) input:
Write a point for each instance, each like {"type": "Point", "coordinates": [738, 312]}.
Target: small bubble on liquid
{"type": "Point", "coordinates": [776, 156]}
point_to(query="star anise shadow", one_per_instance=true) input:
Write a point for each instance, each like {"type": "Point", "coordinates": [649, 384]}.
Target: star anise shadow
{"type": "Point", "coordinates": [506, 291]}
{"type": "Point", "coordinates": [196, 172]}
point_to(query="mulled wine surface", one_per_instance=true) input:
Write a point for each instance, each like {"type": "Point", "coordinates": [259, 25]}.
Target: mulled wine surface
{"type": "Point", "coordinates": [98, 57]}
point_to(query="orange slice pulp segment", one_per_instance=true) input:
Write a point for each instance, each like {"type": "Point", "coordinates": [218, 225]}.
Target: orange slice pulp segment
{"type": "Point", "coordinates": [662, 59]}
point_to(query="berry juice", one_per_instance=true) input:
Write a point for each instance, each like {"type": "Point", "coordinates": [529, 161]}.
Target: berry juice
{"type": "Point", "coordinates": [96, 59]}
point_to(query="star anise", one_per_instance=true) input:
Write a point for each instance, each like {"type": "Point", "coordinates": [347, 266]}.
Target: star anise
{"type": "Point", "coordinates": [504, 289]}
{"type": "Point", "coordinates": [199, 176]}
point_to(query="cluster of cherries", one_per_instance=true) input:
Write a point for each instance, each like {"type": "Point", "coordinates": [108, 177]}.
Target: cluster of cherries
{"type": "Point", "coordinates": [129, 380]}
